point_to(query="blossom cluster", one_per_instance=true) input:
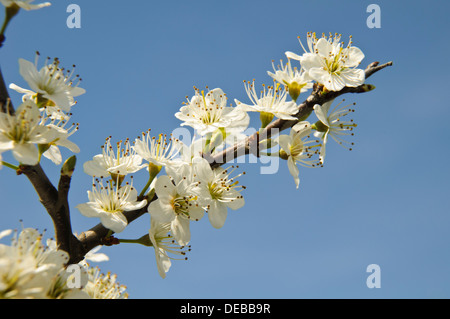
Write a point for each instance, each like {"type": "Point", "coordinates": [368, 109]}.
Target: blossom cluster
{"type": "Point", "coordinates": [33, 269]}
{"type": "Point", "coordinates": [40, 125]}
{"type": "Point", "coordinates": [182, 185]}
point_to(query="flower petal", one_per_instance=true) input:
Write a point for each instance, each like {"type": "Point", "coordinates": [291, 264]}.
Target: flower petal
{"type": "Point", "coordinates": [27, 154]}
{"type": "Point", "coordinates": [217, 214]}
{"type": "Point", "coordinates": [114, 221]}
{"type": "Point", "coordinates": [181, 231]}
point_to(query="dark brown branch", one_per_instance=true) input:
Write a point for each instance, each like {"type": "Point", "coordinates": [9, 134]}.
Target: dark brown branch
{"type": "Point", "coordinates": [56, 203]}
{"type": "Point", "coordinates": [95, 236]}
{"type": "Point", "coordinates": [6, 105]}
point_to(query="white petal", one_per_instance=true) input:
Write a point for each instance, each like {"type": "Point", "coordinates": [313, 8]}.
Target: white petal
{"type": "Point", "coordinates": [196, 213]}
{"type": "Point", "coordinates": [303, 128]}
{"type": "Point", "coordinates": [321, 113]}
{"type": "Point", "coordinates": [180, 230]}
{"type": "Point", "coordinates": [285, 142]}
{"type": "Point", "coordinates": [293, 169]}
{"type": "Point", "coordinates": [310, 61]}
{"type": "Point", "coordinates": [76, 91]}
{"type": "Point", "coordinates": [93, 168]}
{"type": "Point", "coordinates": [20, 90]}
{"type": "Point", "coordinates": [324, 47]}
{"type": "Point", "coordinates": [161, 211]}
{"type": "Point", "coordinates": [164, 186]}
{"type": "Point", "coordinates": [5, 233]}
{"type": "Point", "coordinates": [292, 55]}
{"type": "Point", "coordinates": [5, 144]}
{"type": "Point", "coordinates": [27, 154]}
{"type": "Point", "coordinates": [355, 56]}
{"type": "Point", "coordinates": [68, 144]}
{"type": "Point", "coordinates": [217, 214]}
{"type": "Point", "coordinates": [114, 221]}
{"type": "Point", "coordinates": [88, 210]}
{"type": "Point", "coordinates": [29, 72]}
{"type": "Point", "coordinates": [162, 262]}
{"type": "Point", "coordinates": [237, 202]}
{"type": "Point", "coordinates": [53, 154]}
{"type": "Point", "coordinates": [203, 170]}
{"type": "Point", "coordinates": [353, 77]}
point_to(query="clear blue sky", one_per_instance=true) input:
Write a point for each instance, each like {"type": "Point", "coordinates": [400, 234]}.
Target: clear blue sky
{"type": "Point", "coordinates": [386, 202]}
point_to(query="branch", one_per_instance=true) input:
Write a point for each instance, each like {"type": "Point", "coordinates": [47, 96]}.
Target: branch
{"type": "Point", "coordinates": [5, 102]}
{"type": "Point", "coordinates": [93, 237]}
{"type": "Point", "coordinates": [318, 96]}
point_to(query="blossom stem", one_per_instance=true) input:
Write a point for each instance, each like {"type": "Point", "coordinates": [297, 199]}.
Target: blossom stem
{"type": "Point", "coordinates": [10, 165]}
{"type": "Point", "coordinates": [144, 240]}
{"type": "Point", "coordinates": [153, 171]}
{"type": "Point", "coordinates": [10, 12]}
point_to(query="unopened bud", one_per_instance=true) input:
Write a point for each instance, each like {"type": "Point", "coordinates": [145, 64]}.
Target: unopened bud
{"type": "Point", "coordinates": [368, 87]}
{"type": "Point", "coordinates": [69, 166]}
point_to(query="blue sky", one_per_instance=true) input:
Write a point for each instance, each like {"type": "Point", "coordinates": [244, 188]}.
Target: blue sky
{"type": "Point", "coordinates": [386, 202]}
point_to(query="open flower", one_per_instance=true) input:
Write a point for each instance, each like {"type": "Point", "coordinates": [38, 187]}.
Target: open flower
{"type": "Point", "coordinates": [159, 151]}
{"type": "Point", "coordinates": [104, 286]}
{"type": "Point", "coordinates": [296, 80]}
{"type": "Point", "coordinates": [24, 4]}
{"type": "Point", "coordinates": [20, 132]}
{"type": "Point", "coordinates": [109, 203]}
{"type": "Point", "coordinates": [331, 123]}
{"type": "Point", "coordinates": [295, 149]}
{"type": "Point", "coordinates": [219, 191]}
{"type": "Point", "coordinates": [207, 113]}
{"type": "Point", "coordinates": [115, 162]}
{"type": "Point", "coordinates": [271, 102]}
{"type": "Point", "coordinates": [177, 203]}
{"type": "Point", "coordinates": [27, 266]}
{"type": "Point", "coordinates": [164, 246]}
{"type": "Point", "coordinates": [58, 122]}
{"type": "Point", "coordinates": [50, 83]}
{"type": "Point", "coordinates": [330, 63]}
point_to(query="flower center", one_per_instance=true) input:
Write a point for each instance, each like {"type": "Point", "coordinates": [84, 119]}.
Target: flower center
{"type": "Point", "coordinates": [181, 205]}
{"type": "Point", "coordinates": [215, 190]}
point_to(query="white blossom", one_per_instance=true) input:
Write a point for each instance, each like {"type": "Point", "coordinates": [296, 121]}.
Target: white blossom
{"type": "Point", "coordinates": [25, 4]}
{"type": "Point", "coordinates": [297, 80]}
{"type": "Point", "coordinates": [207, 113]}
{"type": "Point", "coordinates": [330, 63]}
{"type": "Point", "coordinates": [58, 123]}
{"type": "Point", "coordinates": [22, 131]}
{"type": "Point", "coordinates": [159, 151]}
{"type": "Point", "coordinates": [27, 266]}
{"type": "Point", "coordinates": [177, 203]}
{"type": "Point", "coordinates": [331, 123]}
{"type": "Point", "coordinates": [109, 203]}
{"type": "Point", "coordinates": [51, 82]}
{"type": "Point", "coordinates": [295, 149]}
{"type": "Point", "coordinates": [165, 246]}
{"type": "Point", "coordinates": [219, 191]}
{"type": "Point", "coordinates": [120, 161]}
{"type": "Point", "coordinates": [104, 286]}
{"type": "Point", "coordinates": [271, 100]}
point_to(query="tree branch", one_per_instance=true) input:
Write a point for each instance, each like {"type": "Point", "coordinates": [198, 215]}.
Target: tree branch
{"type": "Point", "coordinates": [93, 237]}
{"type": "Point", "coordinates": [6, 105]}
{"type": "Point", "coordinates": [55, 200]}
{"type": "Point", "coordinates": [318, 96]}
